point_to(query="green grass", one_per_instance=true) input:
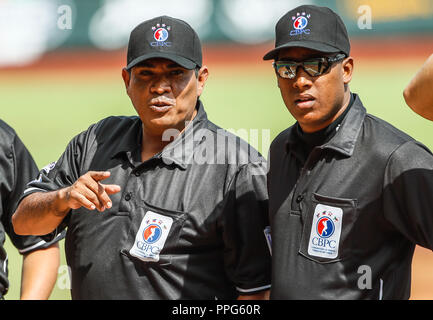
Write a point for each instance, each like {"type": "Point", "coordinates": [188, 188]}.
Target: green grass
{"type": "Point", "coordinates": [48, 109]}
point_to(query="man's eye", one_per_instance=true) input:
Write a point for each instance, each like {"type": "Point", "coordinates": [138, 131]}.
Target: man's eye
{"type": "Point", "coordinates": [145, 73]}
{"type": "Point", "coordinates": [176, 72]}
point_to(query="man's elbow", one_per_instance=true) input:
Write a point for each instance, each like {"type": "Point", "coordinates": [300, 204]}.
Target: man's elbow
{"type": "Point", "coordinates": [20, 219]}
{"type": "Point", "coordinates": [407, 95]}
{"type": "Point", "coordinates": [422, 106]}
{"type": "Point", "coordinates": [18, 223]}
{"type": "Point", "coordinates": [410, 99]}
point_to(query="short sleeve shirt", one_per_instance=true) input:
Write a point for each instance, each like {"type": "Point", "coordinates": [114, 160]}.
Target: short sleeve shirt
{"type": "Point", "coordinates": [17, 168]}
{"type": "Point", "coordinates": [188, 223]}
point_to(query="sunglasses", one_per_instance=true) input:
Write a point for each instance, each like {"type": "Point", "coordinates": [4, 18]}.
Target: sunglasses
{"type": "Point", "coordinates": [313, 67]}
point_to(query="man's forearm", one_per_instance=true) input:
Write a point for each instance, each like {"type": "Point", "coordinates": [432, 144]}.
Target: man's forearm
{"type": "Point", "coordinates": [40, 213]}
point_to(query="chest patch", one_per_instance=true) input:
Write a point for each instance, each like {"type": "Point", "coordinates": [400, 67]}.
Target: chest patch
{"type": "Point", "coordinates": [325, 232]}
{"type": "Point", "coordinates": [151, 236]}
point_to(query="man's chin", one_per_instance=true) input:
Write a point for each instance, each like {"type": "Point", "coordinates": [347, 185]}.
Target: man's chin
{"type": "Point", "coordinates": [313, 125]}
{"type": "Point", "coordinates": [164, 127]}
{"type": "Point", "coordinates": [307, 117]}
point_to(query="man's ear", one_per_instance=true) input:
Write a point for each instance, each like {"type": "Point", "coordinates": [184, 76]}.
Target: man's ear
{"type": "Point", "coordinates": [202, 76]}
{"type": "Point", "coordinates": [126, 75]}
{"type": "Point", "coordinates": [347, 66]}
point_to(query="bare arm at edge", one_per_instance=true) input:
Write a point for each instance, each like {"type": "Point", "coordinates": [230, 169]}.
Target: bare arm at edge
{"type": "Point", "coordinates": [39, 273]}
{"type": "Point", "coordinates": [418, 94]}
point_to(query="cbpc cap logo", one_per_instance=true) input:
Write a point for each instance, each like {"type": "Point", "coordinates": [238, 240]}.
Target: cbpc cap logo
{"type": "Point", "coordinates": [300, 21]}
{"type": "Point", "coordinates": [152, 233]}
{"type": "Point", "coordinates": [325, 227]}
{"type": "Point", "coordinates": [160, 34]}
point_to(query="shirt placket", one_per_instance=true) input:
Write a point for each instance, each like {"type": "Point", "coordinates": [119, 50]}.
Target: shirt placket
{"type": "Point", "coordinates": [132, 186]}
{"type": "Point", "coordinates": [304, 181]}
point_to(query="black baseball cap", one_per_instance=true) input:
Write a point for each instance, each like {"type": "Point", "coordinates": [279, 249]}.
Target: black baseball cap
{"type": "Point", "coordinates": [312, 27]}
{"type": "Point", "coordinates": [164, 37]}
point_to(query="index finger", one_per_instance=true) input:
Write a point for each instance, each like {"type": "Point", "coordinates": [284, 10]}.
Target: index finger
{"type": "Point", "coordinates": [99, 175]}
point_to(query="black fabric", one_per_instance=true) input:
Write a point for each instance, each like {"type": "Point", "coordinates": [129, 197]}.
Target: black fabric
{"type": "Point", "coordinates": [216, 246]}
{"type": "Point", "coordinates": [17, 168]}
{"type": "Point", "coordinates": [164, 37]}
{"type": "Point", "coordinates": [320, 29]}
{"type": "Point", "coordinates": [381, 179]}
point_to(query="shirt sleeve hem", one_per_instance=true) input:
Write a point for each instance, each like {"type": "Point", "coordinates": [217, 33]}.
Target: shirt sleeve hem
{"type": "Point", "coordinates": [32, 190]}
{"type": "Point", "coordinates": [42, 244]}
{"type": "Point", "coordinates": [253, 290]}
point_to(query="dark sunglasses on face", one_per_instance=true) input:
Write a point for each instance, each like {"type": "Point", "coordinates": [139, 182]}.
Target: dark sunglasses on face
{"type": "Point", "coordinates": [313, 67]}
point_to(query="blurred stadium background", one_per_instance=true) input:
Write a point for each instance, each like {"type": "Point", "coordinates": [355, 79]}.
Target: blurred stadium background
{"type": "Point", "coordinates": [61, 60]}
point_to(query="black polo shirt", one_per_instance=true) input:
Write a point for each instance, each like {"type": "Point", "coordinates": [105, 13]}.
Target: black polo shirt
{"type": "Point", "coordinates": [17, 168]}
{"type": "Point", "coordinates": [188, 223]}
{"type": "Point", "coordinates": [345, 220]}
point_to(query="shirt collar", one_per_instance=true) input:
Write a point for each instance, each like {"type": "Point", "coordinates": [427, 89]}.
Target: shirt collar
{"type": "Point", "coordinates": [178, 152]}
{"type": "Point", "coordinates": [181, 150]}
{"type": "Point", "coordinates": [345, 139]}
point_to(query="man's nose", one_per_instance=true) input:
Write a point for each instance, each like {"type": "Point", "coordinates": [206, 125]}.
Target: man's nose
{"type": "Point", "coordinates": [302, 80]}
{"type": "Point", "coordinates": [160, 85]}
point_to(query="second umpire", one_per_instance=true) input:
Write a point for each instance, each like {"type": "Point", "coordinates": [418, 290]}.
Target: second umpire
{"type": "Point", "coordinates": [349, 194]}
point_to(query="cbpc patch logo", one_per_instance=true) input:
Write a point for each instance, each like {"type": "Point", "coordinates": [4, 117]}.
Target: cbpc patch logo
{"type": "Point", "coordinates": [325, 227]}
{"type": "Point", "coordinates": [300, 22]}
{"type": "Point", "coordinates": [152, 233]}
{"type": "Point", "coordinates": [160, 34]}
{"type": "Point", "coordinates": [151, 236]}
{"type": "Point", "coordinates": [325, 231]}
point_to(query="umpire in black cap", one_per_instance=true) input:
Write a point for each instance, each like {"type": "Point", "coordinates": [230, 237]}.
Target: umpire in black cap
{"type": "Point", "coordinates": [180, 216]}
{"type": "Point", "coordinates": [349, 194]}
